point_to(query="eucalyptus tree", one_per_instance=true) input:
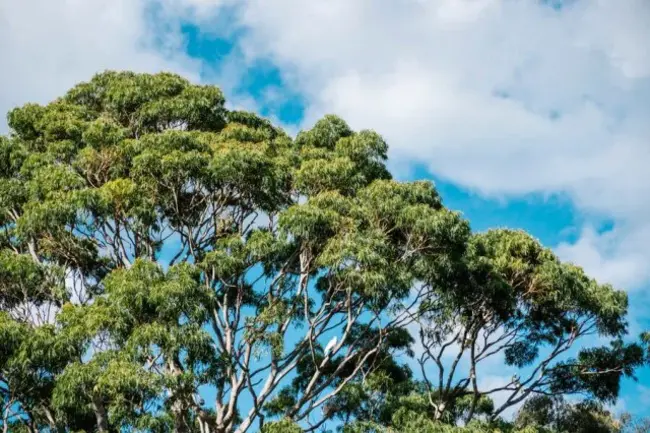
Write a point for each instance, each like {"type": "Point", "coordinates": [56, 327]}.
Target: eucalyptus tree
{"type": "Point", "coordinates": [518, 303]}
{"type": "Point", "coordinates": [168, 264]}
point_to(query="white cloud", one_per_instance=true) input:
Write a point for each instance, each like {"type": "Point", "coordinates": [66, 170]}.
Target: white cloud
{"type": "Point", "coordinates": [47, 46]}
{"type": "Point", "coordinates": [503, 97]}
{"type": "Point", "coordinates": [619, 255]}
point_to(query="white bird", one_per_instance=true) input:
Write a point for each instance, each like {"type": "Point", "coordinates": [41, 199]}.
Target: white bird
{"type": "Point", "coordinates": [330, 345]}
{"type": "Point", "coordinates": [515, 380]}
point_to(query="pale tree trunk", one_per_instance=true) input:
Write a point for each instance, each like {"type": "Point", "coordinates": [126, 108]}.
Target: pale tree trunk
{"type": "Point", "coordinates": [100, 414]}
{"type": "Point", "coordinates": [50, 418]}
{"type": "Point", "coordinates": [180, 422]}
{"type": "Point", "coordinates": [178, 407]}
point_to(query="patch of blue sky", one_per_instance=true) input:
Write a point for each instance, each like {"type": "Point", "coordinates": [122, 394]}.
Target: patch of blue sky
{"type": "Point", "coordinates": [551, 219]}
{"type": "Point", "coordinates": [259, 80]}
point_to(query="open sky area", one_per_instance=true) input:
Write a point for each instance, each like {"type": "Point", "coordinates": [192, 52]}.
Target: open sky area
{"type": "Point", "coordinates": [527, 114]}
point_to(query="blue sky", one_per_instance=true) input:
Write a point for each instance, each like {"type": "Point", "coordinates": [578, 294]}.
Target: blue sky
{"type": "Point", "coordinates": [530, 115]}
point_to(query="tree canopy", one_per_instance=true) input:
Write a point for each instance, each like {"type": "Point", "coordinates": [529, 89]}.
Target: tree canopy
{"type": "Point", "coordinates": [169, 265]}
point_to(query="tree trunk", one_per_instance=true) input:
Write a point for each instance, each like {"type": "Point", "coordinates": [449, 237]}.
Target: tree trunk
{"type": "Point", "coordinates": [100, 414]}
{"type": "Point", "coordinates": [180, 420]}
{"type": "Point", "coordinates": [50, 418]}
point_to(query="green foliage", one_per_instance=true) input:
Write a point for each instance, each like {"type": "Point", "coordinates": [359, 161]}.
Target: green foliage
{"type": "Point", "coordinates": [519, 300]}
{"type": "Point", "coordinates": [412, 422]}
{"type": "Point", "coordinates": [540, 414]}
{"type": "Point", "coordinates": [282, 426]}
{"type": "Point", "coordinates": [553, 414]}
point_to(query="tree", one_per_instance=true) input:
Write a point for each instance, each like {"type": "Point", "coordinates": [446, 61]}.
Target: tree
{"type": "Point", "coordinates": [516, 300]}
{"type": "Point", "coordinates": [386, 392]}
{"type": "Point", "coordinates": [167, 264]}
{"type": "Point", "coordinates": [556, 415]}
{"type": "Point", "coordinates": [540, 414]}
{"type": "Point", "coordinates": [173, 249]}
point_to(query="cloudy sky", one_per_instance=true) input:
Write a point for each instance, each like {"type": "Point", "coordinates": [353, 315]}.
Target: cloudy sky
{"type": "Point", "coordinates": [532, 114]}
